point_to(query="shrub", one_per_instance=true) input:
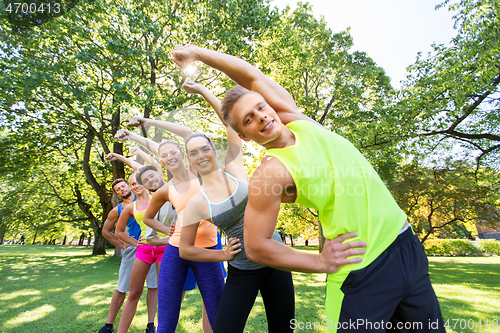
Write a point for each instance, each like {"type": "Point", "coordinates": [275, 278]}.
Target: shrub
{"type": "Point", "coordinates": [461, 247]}
{"type": "Point", "coordinates": [489, 246]}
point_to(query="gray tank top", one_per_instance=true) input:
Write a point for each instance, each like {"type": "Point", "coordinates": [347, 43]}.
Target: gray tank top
{"type": "Point", "coordinates": [228, 215]}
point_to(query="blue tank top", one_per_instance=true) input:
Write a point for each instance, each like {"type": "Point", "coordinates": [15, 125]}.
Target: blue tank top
{"type": "Point", "coordinates": [133, 228]}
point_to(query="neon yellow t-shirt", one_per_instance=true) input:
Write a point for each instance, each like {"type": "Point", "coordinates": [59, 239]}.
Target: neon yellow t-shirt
{"type": "Point", "coordinates": [334, 178]}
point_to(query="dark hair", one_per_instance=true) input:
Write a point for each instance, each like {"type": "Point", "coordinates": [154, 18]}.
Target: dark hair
{"type": "Point", "coordinates": [230, 98]}
{"type": "Point", "coordinates": [167, 142]}
{"type": "Point", "coordinates": [141, 170]}
{"type": "Point", "coordinates": [116, 181]}
{"type": "Point", "coordinates": [195, 135]}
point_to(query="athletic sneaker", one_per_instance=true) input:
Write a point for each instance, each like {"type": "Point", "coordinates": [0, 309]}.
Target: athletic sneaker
{"type": "Point", "coordinates": [150, 328]}
{"type": "Point", "coordinates": [107, 329]}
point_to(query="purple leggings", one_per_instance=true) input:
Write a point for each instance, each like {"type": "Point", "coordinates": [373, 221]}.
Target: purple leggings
{"type": "Point", "coordinates": [172, 276]}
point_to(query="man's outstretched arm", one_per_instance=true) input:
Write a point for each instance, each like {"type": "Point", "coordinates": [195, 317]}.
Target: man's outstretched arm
{"type": "Point", "coordinates": [239, 71]}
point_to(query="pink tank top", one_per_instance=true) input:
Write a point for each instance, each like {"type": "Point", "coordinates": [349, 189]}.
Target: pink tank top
{"type": "Point", "coordinates": [206, 235]}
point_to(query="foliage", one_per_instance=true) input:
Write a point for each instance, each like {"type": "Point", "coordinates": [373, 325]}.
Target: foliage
{"type": "Point", "coordinates": [451, 96]}
{"type": "Point", "coordinates": [443, 200]}
{"type": "Point", "coordinates": [69, 84]}
{"type": "Point", "coordinates": [462, 247]}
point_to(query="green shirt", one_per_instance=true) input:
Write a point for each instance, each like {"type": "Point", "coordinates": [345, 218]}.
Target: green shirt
{"type": "Point", "coordinates": [334, 178]}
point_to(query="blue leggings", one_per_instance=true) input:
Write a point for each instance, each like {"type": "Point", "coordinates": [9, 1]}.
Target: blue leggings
{"type": "Point", "coordinates": [172, 275]}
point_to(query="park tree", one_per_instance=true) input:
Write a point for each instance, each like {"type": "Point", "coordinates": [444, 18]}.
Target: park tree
{"type": "Point", "coordinates": [451, 95]}
{"type": "Point", "coordinates": [69, 84]}
{"type": "Point", "coordinates": [443, 200]}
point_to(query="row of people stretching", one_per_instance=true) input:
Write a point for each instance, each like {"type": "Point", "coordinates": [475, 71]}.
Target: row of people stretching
{"type": "Point", "coordinates": [377, 269]}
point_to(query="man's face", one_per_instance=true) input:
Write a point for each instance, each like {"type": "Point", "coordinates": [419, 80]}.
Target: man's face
{"type": "Point", "coordinates": [122, 190]}
{"type": "Point", "coordinates": [152, 180]}
{"type": "Point", "coordinates": [255, 119]}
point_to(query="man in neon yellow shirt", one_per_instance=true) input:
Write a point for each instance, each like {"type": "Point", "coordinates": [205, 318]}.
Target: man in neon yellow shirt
{"type": "Point", "coordinates": [389, 287]}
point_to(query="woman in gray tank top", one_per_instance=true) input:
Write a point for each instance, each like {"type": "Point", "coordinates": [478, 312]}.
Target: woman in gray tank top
{"type": "Point", "coordinates": [222, 200]}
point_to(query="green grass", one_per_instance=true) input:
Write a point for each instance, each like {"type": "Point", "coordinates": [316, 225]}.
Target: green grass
{"type": "Point", "coordinates": [66, 289]}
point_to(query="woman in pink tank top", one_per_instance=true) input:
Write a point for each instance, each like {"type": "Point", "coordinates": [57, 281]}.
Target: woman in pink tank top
{"type": "Point", "coordinates": [145, 257]}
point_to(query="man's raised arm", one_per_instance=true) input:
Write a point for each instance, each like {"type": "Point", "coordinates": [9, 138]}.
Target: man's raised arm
{"type": "Point", "coordinates": [239, 71]}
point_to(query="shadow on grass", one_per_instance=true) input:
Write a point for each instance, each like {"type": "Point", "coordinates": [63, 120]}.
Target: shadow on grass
{"type": "Point", "coordinates": [50, 290]}
{"type": "Point", "coordinates": [468, 294]}
{"type": "Point", "coordinates": [55, 293]}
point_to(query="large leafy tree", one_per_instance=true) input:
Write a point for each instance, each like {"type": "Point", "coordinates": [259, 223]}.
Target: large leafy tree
{"type": "Point", "coordinates": [70, 83]}
{"type": "Point", "coordinates": [451, 96]}
{"type": "Point", "coordinates": [443, 201]}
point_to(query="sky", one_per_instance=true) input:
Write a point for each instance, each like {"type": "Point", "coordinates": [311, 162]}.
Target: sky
{"type": "Point", "coordinates": [391, 32]}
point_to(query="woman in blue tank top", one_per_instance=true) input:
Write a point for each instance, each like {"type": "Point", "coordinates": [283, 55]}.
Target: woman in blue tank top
{"type": "Point", "coordinates": [222, 200]}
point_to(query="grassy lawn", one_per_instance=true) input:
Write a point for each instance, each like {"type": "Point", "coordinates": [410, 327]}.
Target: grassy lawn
{"type": "Point", "coordinates": [65, 289]}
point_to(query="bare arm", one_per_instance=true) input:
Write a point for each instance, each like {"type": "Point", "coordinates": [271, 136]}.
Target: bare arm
{"type": "Point", "coordinates": [174, 128]}
{"type": "Point", "coordinates": [187, 249]}
{"type": "Point", "coordinates": [109, 225]}
{"type": "Point", "coordinates": [234, 155]}
{"type": "Point", "coordinates": [146, 157]}
{"type": "Point", "coordinates": [117, 157]}
{"type": "Point", "coordinates": [261, 216]}
{"type": "Point", "coordinates": [126, 214]}
{"type": "Point", "coordinates": [157, 241]}
{"type": "Point", "coordinates": [241, 72]}
{"type": "Point", "coordinates": [124, 134]}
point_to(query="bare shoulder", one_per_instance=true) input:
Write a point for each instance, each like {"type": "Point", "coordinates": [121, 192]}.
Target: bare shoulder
{"type": "Point", "coordinates": [272, 180]}
{"type": "Point", "coordinates": [128, 209]}
{"type": "Point", "coordinates": [200, 205]}
{"type": "Point", "coordinates": [162, 192]}
{"type": "Point", "coordinates": [272, 170]}
{"type": "Point", "coordinates": [113, 213]}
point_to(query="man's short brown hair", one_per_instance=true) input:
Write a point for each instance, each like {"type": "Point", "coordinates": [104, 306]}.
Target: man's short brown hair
{"type": "Point", "coordinates": [230, 98]}
{"type": "Point", "coordinates": [117, 181]}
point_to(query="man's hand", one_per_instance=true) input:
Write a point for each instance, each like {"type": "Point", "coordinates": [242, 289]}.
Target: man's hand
{"type": "Point", "coordinates": [335, 254]}
{"type": "Point", "coordinates": [110, 157]}
{"type": "Point", "coordinates": [232, 248]}
{"type": "Point", "coordinates": [136, 121]}
{"type": "Point", "coordinates": [184, 55]}
{"type": "Point", "coordinates": [122, 135]}
{"type": "Point", "coordinates": [192, 87]}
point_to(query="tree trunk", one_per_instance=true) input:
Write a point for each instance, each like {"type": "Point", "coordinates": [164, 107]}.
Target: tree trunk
{"type": "Point", "coordinates": [82, 238]}
{"type": "Point", "coordinates": [321, 237]}
{"type": "Point", "coordinates": [118, 252]}
{"type": "Point", "coordinates": [306, 243]}
{"type": "Point", "coordinates": [64, 240]}
{"type": "Point", "coordinates": [3, 230]}
{"type": "Point", "coordinates": [291, 239]}
{"type": "Point", "coordinates": [34, 238]}
{"type": "Point", "coordinates": [99, 244]}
